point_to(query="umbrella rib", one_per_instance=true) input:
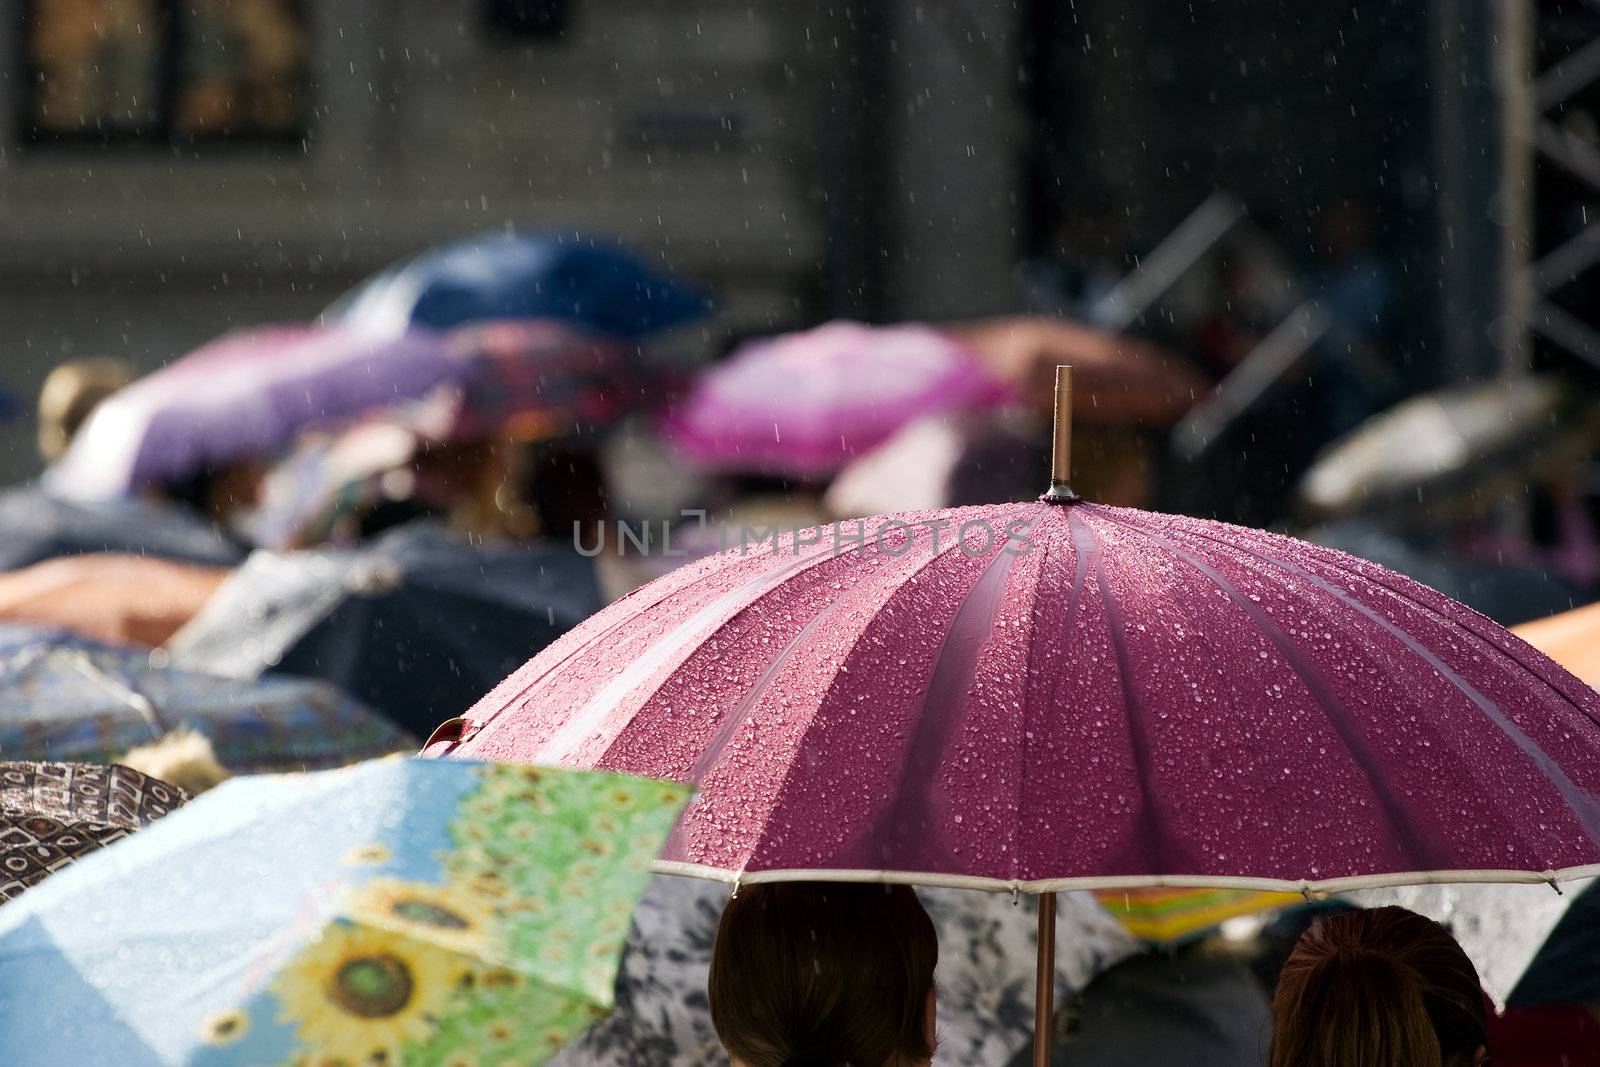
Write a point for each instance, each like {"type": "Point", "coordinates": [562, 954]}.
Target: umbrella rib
{"type": "Point", "coordinates": [741, 711]}
{"type": "Point", "coordinates": [1059, 680]}
{"type": "Point", "coordinates": [940, 554]}
{"type": "Point", "coordinates": [1583, 804]}
{"type": "Point", "coordinates": [719, 611]}
{"type": "Point", "coordinates": [1154, 841]}
{"type": "Point", "coordinates": [928, 736]}
{"type": "Point", "coordinates": [1333, 709]}
{"type": "Point", "coordinates": [588, 643]}
{"type": "Point", "coordinates": [1335, 562]}
{"type": "Point", "coordinates": [1510, 653]}
{"type": "Point", "coordinates": [140, 703]}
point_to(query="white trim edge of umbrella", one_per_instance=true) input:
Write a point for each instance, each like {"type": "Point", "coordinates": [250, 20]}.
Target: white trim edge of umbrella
{"type": "Point", "coordinates": [1045, 886]}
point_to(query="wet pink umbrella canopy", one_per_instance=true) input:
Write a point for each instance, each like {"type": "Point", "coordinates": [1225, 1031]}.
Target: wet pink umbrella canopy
{"type": "Point", "coordinates": [1058, 696]}
{"type": "Point", "coordinates": [805, 404]}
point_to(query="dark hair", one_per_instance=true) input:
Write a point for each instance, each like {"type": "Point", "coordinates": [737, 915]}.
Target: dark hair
{"type": "Point", "coordinates": [1384, 987]}
{"type": "Point", "coordinates": [820, 974]}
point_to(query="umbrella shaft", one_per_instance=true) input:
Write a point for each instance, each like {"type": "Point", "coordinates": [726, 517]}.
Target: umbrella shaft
{"type": "Point", "coordinates": [1061, 441]}
{"type": "Point", "coordinates": [1044, 981]}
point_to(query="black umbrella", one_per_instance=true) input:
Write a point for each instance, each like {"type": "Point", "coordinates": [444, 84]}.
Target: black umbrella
{"type": "Point", "coordinates": [418, 625]}
{"type": "Point", "coordinates": [1566, 969]}
{"type": "Point", "coordinates": [35, 526]}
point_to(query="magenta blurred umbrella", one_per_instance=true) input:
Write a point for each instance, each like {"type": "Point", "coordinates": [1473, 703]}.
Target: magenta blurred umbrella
{"type": "Point", "coordinates": [804, 404]}
{"type": "Point", "coordinates": [244, 394]}
{"type": "Point", "coordinates": [1060, 695]}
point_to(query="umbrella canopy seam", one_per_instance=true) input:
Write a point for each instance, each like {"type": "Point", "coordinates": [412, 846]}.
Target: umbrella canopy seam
{"type": "Point", "coordinates": [1582, 802]}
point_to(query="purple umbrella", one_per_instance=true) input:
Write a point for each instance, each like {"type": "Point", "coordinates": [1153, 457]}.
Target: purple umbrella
{"type": "Point", "coordinates": [243, 394]}
{"type": "Point", "coordinates": [1061, 695]}
{"type": "Point", "coordinates": [804, 404]}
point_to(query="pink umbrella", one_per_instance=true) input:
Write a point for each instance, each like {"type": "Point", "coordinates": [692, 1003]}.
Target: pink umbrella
{"type": "Point", "coordinates": [804, 404]}
{"type": "Point", "coordinates": [242, 395]}
{"type": "Point", "coordinates": [1059, 695]}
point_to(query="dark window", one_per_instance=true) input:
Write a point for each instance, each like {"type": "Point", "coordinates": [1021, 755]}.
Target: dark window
{"type": "Point", "coordinates": [163, 71]}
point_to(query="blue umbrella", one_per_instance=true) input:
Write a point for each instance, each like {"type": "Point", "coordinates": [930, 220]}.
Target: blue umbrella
{"type": "Point", "coordinates": [398, 912]}
{"type": "Point", "coordinates": [591, 281]}
{"type": "Point", "coordinates": [64, 698]}
{"type": "Point", "coordinates": [417, 624]}
{"type": "Point", "coordinates": [38, 525]}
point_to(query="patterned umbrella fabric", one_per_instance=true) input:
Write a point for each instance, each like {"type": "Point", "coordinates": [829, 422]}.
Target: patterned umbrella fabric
{"type": "Point", "coordinates": [441, 911]}
{"type": "Point", "coordinates": [593, 282]}
{"type": "Point", "coordinates": [417, 624]}
{"type": "Point", "coordinates": [70, 698]}
{"type": "Point", "coordinates": [39, 525]}
{"type": "Point", "coordinates": [1064, 695]}
{"type": "Point", "coordinates": [53, 813]}
{"type": "Point", "coordinates": [244, 394]}
{"type": "Point", "coordinates": [805, 404]}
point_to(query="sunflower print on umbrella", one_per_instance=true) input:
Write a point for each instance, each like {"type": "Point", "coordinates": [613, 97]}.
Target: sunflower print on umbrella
{"type": "Point", "coordinates": [505, 959]}
{"type": "Point", "coordinates": [359, 995]}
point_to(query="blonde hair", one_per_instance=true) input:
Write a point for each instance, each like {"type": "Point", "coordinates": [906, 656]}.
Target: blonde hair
{"type": "Point", "coordinates": [70, 392]}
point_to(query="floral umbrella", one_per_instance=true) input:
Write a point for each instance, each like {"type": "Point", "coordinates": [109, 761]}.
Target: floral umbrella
{"type": "Point", "coordinates": [439, 911]}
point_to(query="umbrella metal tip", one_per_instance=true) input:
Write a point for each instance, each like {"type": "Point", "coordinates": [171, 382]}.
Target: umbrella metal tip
{"type": "Point", "coordinates": [1059, 493]}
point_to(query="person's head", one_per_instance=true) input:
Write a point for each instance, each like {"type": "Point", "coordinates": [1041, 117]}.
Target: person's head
{"type": "Point", "coordinates": [1384, 987]}
{"type": "Point", "coordinates": [821, 974]}
{"type": "Point", "coordinates": [70, 392]}
{"type": "Point", "coordinates": [565, 484]}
